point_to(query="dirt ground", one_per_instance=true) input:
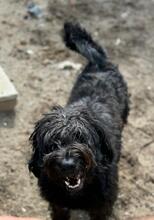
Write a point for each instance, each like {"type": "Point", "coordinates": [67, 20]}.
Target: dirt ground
{"type": "Point", "coordinates": [31, 51]}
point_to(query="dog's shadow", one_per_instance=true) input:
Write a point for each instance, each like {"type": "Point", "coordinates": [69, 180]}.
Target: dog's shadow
{"type": "Point", "coordinates": [7, 119]}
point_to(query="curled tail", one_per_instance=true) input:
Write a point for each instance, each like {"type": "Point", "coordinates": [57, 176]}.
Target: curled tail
{"type": "Point", "coordinates": [76, 38]}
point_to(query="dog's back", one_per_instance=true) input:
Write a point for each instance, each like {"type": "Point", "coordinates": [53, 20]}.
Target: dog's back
{"type": "Point", "coordinates": [100, 79]}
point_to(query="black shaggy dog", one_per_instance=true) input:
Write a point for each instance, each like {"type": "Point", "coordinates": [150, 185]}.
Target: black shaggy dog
{"type": "Point", "coordinates": [76, 149]}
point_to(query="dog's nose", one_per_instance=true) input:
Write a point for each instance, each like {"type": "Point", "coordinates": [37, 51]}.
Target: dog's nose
{"type": "Point", "coordinates": [68, 163]}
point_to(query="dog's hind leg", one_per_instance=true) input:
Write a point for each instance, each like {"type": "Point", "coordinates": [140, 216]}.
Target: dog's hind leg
{"type": "Point", "coordinates": [59, 213]}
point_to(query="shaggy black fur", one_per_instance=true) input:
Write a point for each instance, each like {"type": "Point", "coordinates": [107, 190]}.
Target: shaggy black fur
{"type": "Point", "coordinates": [76, 149]}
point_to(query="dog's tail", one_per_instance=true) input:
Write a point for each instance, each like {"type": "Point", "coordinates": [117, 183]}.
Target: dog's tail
{"type": "Point", "coordinates": [76, 38]}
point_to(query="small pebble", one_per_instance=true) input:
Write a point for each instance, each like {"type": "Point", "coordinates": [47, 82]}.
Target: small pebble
{"type": "Point", "coordinates": [23, 209]}
{"type": "Point", "coordinates": [118, 42]}
{"type": "Point", "coordinates": [34, 10]}
{"type": "Point", "coordinates": [124, 14]}
{"type": "Point", "coordinates": [68, 65]}
{"type": "Point", "coordinates": [5, 124]}
{"type": "Point", "coordinates": [30, 52]}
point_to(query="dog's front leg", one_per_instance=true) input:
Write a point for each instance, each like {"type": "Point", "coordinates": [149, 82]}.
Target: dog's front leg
{"type": "Point", "coordinates": [99, 214]}
{"type": "Point", "coordinates": [59, 213]}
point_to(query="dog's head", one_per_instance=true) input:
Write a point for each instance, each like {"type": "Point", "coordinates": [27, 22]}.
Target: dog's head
{"type": "Point", "coordinates": [67, 147]}
{"type": "Point", "coordinates": [69, 166]}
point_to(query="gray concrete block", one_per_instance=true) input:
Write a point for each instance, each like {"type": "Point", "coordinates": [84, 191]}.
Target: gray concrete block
{"type": "Point", "coordinates": [8, 93]}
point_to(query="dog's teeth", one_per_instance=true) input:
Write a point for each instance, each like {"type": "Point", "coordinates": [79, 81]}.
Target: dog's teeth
{"type": "Point", "coordinates": [66, 183]}
{"type": "Point", "coordinates": [79, 181]}
{"type": "Point", "coordinates": [73, 186]}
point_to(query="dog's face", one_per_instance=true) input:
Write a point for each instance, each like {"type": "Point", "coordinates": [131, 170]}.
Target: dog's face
{"type": "Point", "coordinates": [69, 167]}
{"type": "Point", "coordinates": [67, 147]}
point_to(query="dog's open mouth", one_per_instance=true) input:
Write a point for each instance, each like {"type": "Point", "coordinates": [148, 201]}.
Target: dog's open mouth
{"type": "Point", "coordinates": [73, 182]}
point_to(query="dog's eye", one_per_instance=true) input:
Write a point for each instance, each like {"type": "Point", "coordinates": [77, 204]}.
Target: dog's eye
{"type": "Point", "coordinates": [55, 147]}
{"type": "Point", "coordinates": [50, 148]}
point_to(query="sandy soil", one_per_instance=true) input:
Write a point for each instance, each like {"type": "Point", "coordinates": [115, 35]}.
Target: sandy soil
{"type": "Point", "coordinates": [30, 52]}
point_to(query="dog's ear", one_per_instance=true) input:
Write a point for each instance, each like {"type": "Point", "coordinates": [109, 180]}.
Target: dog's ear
{"type": "Point", "coordinates": [108, 137]}
{"type": "Point", "coordinates": [41, 139]}
{"type": "Point", "coordinates": [37, 141]}
{"type": "Point", "coordinates": [34, 164]}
